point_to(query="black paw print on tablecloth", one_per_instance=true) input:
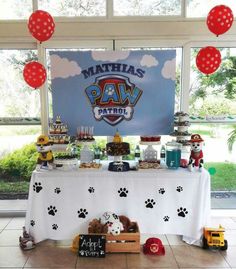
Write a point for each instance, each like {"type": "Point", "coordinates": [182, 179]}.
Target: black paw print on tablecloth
{"type": "Point", "coordinates": [166, 218]}
{"type": "Point", "coordinates": [123, 192]}
{"type": "Point", "coordinates": [179, 188]}
{"type": "Point", "coordinates": [150, 203]}
{"type": "Point", "coordinates": [91, 189]}
{"type": "Point", "coordinates": [182, 212]}
{"type": "Point", "coordinates": [57, 190]}
{"type": "Point", "coordinates": [82, 213]}
{"type": "Point", "coordinates": [37, 187]}
{"type": "Point", "coordinates": [54, 226]}
{"type": "Point", "coordinates": [162, 191]}
{"type": "Point", "coordinates": [32, 223]}
{"type": "Point", "coordinates": [52, 210]}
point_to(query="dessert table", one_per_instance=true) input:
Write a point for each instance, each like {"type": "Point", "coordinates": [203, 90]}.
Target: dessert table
{"type": "Point", "coordinates": [62, 203]}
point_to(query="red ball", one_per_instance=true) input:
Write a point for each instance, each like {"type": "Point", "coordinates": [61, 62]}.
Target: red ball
{"type": "Point", "coordinates": [34, 74]}
{"type": "Point", "coordinates": [220, 19]}
{"type": "Point", "coordinates": [208, 60]}
{"type": "Point", "coordinates": [41, 25]}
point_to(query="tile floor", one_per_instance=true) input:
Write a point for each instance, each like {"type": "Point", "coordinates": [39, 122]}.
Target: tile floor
{"type": "Point", "coordinates": [51, 254]}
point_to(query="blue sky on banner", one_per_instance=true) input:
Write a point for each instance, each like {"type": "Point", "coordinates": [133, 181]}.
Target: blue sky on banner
{"type": "Point", "coordinates": [132, 91]}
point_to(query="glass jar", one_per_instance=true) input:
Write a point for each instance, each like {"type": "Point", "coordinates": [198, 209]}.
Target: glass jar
{"type": "Point", "coordinates": [173, 154]}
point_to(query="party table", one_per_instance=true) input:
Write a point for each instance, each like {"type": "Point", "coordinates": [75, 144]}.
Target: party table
{"type": "Point", "coordinates": [62, 203]}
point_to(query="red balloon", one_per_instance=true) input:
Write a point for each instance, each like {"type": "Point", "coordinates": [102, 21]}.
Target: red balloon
{"type": "Point", "coordinates": [220, 19]}
{"type": "Point", "coordinates": [41, 25]}
{"type": "Point", "coordinates": [34, 74]}
{"type": "Point", "coordinates": [208, 60]}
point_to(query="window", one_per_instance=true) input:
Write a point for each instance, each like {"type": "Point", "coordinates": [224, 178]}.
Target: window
{"type": "Point", "coordinates": [17, 98]}
{"type": "Point", "coordinates": [147, 8]}
{"type": "Point", "coordinates": [15, 9]}
{"type": "Point", "coordinates": [71, 8]}
{"type": "Point", "coordinates": [212, 104]}
{"type": "Point", "coordinates": [200, 8]}
{"type": "Point", "coordinates": [214, 94]}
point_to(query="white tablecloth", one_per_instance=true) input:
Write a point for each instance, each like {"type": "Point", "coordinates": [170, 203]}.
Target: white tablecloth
{"type": "Point", "coordinates": [62, 203]}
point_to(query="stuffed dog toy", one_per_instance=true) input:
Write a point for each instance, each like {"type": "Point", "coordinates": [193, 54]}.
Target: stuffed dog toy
{"type": "Point", "coordinates": [26, 241]}
{"type": "Point", "coordinates": [196, 156]}
{"type": "Point", "coordinates": [45, 158]}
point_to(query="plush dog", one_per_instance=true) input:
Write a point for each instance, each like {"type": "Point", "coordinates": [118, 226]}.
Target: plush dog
{"type": "Point", "coordinates": [45, 158]}
{"type": "Point", "coordinates": [129, 226]}
{"type": "Point", "coordinates": [26, 241]}
{"type": "Point", "coordinates": [95, 226]}
{"type": "Point", "coordinates": [75, 244]}
{"type": "Point", "coordinates": [196, 156]}
{"type": "Point", "coordinates": [115, 228]}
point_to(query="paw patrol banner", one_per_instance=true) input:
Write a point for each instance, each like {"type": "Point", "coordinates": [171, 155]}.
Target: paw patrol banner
{"type": "Point", "coordinates": [132, 91]}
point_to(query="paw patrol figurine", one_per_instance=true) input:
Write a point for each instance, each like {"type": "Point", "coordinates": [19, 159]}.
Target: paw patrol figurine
{"type": "Point", "coordinates": [196, 156]}
{"type": "Point", "coordinates": [45, 158]}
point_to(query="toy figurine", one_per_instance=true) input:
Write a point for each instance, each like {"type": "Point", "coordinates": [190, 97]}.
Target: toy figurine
{"type": "Point", "coordinates": [45, 158]}
{"type": "Point", "coordinates": [196, 156]}
{"type": "Point", "coordinates": [27, 241]}
{"type": "Point", "coordinates": [214, 238]}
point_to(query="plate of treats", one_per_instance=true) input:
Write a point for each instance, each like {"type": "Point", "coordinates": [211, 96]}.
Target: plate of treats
{"type": "Point", "coordinates": [92, 165]}
{"type": "Point", "coordinates": [149, 165]}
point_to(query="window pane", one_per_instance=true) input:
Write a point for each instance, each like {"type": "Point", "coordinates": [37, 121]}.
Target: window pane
{"type": "Point", "coordinates": [146, 8]}
{"type": "Point", "coordinates": [214, 94]}
{"type": "Point", "coordinates": [217, 155]}
{"type": "Point", "coordinates": [200, 8]}
{"type": "Point", "coordinates": [74, 7]}
{"type": "Point", "coordinates": [17, 98]}
{"type": "Point", "coordinates": [15, 9]}
{"type": "Point", "coordinates": [15, 137]}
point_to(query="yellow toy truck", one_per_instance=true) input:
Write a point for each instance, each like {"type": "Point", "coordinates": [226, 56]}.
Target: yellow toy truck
{"type": "Point", "coordinates": [214, 238]}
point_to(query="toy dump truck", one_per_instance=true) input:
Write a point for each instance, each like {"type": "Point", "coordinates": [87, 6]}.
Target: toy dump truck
{"type": "Point", "coordinates": [214, 238]}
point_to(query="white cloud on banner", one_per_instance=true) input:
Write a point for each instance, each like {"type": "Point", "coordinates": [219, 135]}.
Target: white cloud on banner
{"type": "Point", "coordinates": [168, 70]}
{"type": "Point", "coordinates": [110, 56]}
{"type": "Point", "coordinates": [149, 61]}
{"type": "Point", "coordinates": [63, 68]}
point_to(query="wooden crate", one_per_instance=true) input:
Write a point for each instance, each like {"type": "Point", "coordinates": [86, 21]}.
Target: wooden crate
{"type": "Point", "coordinates": [124, 242]}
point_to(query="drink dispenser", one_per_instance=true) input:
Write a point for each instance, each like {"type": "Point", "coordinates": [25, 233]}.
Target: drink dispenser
{"type": "Point", "coordinates": [173, 154]}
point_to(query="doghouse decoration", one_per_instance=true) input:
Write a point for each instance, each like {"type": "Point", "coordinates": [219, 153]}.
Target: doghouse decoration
{"type": "Point", "coordinates": [196, 156]}
{"type": "Point", "coordinates": [44, 148]}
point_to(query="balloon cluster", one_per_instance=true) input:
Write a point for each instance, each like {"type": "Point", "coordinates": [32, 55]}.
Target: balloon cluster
{"type": "Point", "coordinates": [41, 26]}
{"type": "Point", "coordinates": [219, 20]}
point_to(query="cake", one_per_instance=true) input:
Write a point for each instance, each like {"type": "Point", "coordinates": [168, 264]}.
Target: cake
{"type": "Point", "coordinates": [154, 138]}
{"type": "Point", "coordinates": [117, 147]}
{"type": "Point", "coordinates": [66, 162]}
{"type": "Point", "coordinates": [58, 132]}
